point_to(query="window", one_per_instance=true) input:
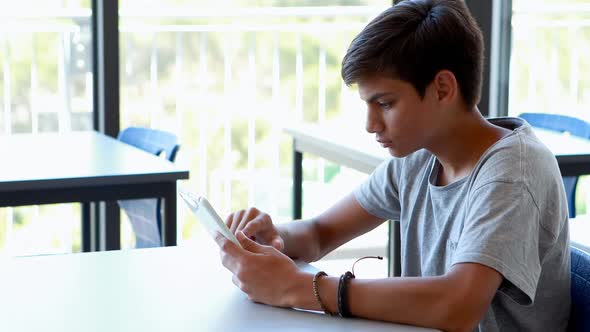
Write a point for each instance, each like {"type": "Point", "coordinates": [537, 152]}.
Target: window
{"type": "Point", "coordinates": [226, 76]}
{"type": "Point", "coordinates": [550, 44]}
{"type": "Point", "coordinates": [46, 86]}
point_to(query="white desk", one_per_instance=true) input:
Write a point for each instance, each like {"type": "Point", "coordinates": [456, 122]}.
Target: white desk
{"type": "Point", "coordinates": [350, 147]}
{"type": "Point", "coordinates": [86, 167]}
{"type": "Point", "coordinates": [161, 289]}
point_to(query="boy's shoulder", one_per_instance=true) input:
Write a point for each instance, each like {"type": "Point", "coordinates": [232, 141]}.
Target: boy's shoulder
{"type": "Point", "coordinates": [519, 155]}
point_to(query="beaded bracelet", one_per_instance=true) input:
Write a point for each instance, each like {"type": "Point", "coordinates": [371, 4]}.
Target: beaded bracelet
{"type": "Point", "coordinates": [316, 291]}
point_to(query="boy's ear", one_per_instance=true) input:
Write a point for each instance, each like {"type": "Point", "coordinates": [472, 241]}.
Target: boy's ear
{"type": "Point", "coordinates": [445, 86]}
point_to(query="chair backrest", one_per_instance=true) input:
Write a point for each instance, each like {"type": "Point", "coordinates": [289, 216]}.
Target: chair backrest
{"type": "Point", "coordinates": [580, 312]}
{"type": "Point", "coordinates": [151, 140]}
{"type": "Point", "coordinates": [145, 214]}
{"type": "Point", "coordinates": [562, 124]}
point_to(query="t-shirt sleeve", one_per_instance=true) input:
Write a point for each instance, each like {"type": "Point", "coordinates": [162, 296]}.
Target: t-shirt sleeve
{"type": "Point", "coordinates": [501, 230]}
{"type": "Point", "coordinates": [379, 194]}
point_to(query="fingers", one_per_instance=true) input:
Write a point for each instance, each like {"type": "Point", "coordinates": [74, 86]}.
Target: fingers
{"type": "Point", "coordinates": [230, 253]}
{"type": "Point", "coordinates": [236, 281]}
{"type": "Point", "coordinates": [229, 220]}
{"type": "Point", "coordinates": [239, 219]}
{"type": "Point", "coordinates": [235, 218]}
{"type": "Point", "coordinates": [278, 243]}
{"type": "Point", "coordinates": [249, 216]}
{"type": "Point", "coordinates": [226, 245]}
{"type": "Point", "coordinates": [256, 225]}
{"type": "Point", "coordinates": [249, 245]}
{"type": "Point", "coordinates": [265, 232]}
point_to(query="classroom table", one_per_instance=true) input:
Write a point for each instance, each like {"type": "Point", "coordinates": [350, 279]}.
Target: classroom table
{"type": "Point", "coordinates": [86, 167]}
{"type": "Point", "coordinates": [171, 289]}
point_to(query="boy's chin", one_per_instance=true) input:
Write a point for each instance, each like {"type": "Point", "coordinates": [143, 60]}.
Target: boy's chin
{"type": "Point", "coordinates": [397, 153]}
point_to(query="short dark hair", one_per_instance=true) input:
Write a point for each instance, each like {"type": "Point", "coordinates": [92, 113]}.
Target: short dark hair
{"type": "Point", "coordinates": [414, 40]}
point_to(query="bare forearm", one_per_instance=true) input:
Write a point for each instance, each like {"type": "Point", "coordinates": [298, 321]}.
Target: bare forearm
{"type": "Point", "coordinates": [415, 301]}
{"type": "Point", "coordinates": [424, 301]}
{"type": "Point", "coordinates": [312, 239]}
{"type": "Point", "coordinates": [301, 240]}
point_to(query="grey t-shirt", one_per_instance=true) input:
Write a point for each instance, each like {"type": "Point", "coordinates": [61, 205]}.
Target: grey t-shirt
{"type": "Point", "coordinates": [509, 214]}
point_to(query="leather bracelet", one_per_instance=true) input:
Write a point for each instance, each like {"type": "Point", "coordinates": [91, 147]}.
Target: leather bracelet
{"type": "Point", "coordinates": [343, 306]}
{"type": "Point", "coordinates": [316, 291]}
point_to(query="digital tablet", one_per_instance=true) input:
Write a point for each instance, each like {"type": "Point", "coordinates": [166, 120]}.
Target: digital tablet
{"type": "Point", "coordinates": [207, 216]}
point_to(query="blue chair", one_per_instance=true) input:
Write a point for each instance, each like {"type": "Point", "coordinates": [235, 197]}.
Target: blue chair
{"type": "Point", "coordinates": [580, 311]}
{"type": "Point", "coordinates": [145, 214]}
{"type": "Point", "coordinates": [562, 123]}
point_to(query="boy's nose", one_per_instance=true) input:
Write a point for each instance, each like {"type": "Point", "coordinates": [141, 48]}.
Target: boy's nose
{"type": "Point", "coordinates": [373, 124]}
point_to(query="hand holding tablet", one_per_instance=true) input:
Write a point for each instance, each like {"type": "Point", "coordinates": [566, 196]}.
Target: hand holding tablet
{"type": "Point", "coordinates": [207, 215]}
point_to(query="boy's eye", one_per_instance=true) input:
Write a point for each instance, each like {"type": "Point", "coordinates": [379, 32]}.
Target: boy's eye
{"type": "Point", "coordinates": [384, 105]}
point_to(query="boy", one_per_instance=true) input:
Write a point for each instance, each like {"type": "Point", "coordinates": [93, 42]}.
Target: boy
{"type": "Point", "coordinates": [481, 204]}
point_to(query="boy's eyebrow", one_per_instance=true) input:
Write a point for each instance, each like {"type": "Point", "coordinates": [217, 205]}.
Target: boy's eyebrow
{"type": "Point", "coordinates": [377, 96]}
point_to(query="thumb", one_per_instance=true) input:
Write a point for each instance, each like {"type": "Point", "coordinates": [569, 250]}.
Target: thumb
{"type": "Point", "coordinates": [278, 243]}
{"type": "Point", "coordinates": [249, 244]}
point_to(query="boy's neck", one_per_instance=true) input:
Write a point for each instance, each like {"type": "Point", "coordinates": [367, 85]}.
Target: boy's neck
{"type": "Point", "coordinates": [460, 146]}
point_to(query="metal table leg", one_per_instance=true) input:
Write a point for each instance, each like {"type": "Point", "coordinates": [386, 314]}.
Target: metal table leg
{"type": "Point", "coordinates": [297, 183]}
